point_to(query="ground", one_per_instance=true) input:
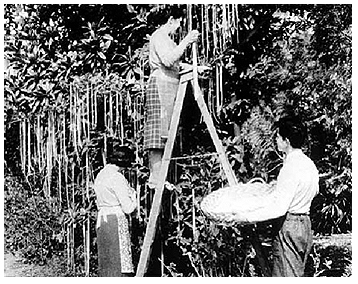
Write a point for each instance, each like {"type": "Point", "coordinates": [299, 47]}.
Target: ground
{"type": "Point", "coordinates": [329, 261]}
{"type": "Point", "coordinates": [15, 266]}
{"type": "Point", "coordinates": [332, 255]}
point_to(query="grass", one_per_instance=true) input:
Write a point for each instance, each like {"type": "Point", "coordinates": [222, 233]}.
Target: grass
{"type": "Point", "coordinates": [16, 266]}
{"type": "Point", "coordinates": [331, 256]}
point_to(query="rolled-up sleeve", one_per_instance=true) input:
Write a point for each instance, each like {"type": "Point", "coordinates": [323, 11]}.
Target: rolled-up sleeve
{"type": "Point", "coordinates": [167, 55]}
{"type": "Point", "coordinates": [276, 203]}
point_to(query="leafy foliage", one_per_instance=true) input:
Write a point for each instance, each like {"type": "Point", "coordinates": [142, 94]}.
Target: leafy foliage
{"type": "Point", "coordinates": [297, 78]}
{"type": "Point", "coordinates": [285, 58]}
{"type": "Point", "coordinates": [31, 223]}
{"type": "Point", "coordinates": [196, 246]}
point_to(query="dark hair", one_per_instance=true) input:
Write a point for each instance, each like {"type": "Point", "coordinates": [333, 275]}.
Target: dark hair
{"type": "Point", "coordinates": [120, 155]}
{"type": "Point", "coordinates": [161, 14]}
{"type": "Point", "coordinates": [293, 129]}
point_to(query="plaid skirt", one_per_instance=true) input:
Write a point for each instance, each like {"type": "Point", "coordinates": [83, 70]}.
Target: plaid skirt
{"type": "Point", "coordinates": [160, 98]}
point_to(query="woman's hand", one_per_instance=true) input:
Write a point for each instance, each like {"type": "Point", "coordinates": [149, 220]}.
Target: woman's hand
{"type": "Point", "coordinates": [185, 68]}
{"type": "Point", "coordinates": [202, 69]}
{"type": "Point", "coordinates": [192, 36]}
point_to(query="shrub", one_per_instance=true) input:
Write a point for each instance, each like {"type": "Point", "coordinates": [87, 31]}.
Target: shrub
{"type": "Point", "coordinates": [32, 223]}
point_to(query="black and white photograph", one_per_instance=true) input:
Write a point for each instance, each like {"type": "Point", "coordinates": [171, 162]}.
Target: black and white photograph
{"type": "Point", "coordinates": [177, 140]}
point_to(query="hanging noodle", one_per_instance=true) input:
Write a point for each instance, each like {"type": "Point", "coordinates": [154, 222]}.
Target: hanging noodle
{"type": "Point", "coordinates": [110, 118]}
{"type": "Point", "coordinates": [214, 30]}
{"type": "Point", "coordinates": [220, 20]}
{"type": "Point", "coordinates": [38, 141]}
{"type": "Point", "coordinates": [117, 113]}
{"type": "Point", "coordinates": [95, 107]}
{"type": "Point", "coordinates": [65, 158]}
{"type": "Point", "coordinates": [223, 27]}
{"type": "Point", "coordinates": [105, 127]}
{"type": "Point", "coordinates": [221, 93]}
{"type": "Point", "coordinates": [202, 47]}
{"type": "Point", "coordinates": [237, 25]}
{"type": "Point", "coordinates": [28, 146]}
{"type": "Point", "coordinates": [54, 142]}
{"type": "Point", "coordinates": [121, 116]}
{"type": "Point", "coordinates": [22, 145]}
{"type": "Point", "coordinates": [206, 10]}
{"type": "Point", "coordinates": [74, 120]}
{"type": "Point", "coordinates": [78, 119]}
{"type": "Point", "coordinates": [61, 129]}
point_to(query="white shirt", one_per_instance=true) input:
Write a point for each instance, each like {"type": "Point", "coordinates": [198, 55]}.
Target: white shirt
{"type": "Point", "coordinates": [112, 189]}
{"type": "Point", "coordinates": [297, 185]}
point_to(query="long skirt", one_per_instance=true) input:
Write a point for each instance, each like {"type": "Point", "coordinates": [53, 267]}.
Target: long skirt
{"type": "Point", "coordinates": [113, 244]}
{"type": "Point", "coordinates": [160, 98]}
{"type": "Point", "coordinates": [292, 246]}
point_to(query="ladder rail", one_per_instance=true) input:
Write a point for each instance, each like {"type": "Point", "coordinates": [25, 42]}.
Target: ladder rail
{"type": "Point", "coordinates": [156, 204]}
{"type": "Point", "coordinates": [198, 95]}
{"type": "Point", "coordinates": [230, 175]}
{"type": "Point", "coordinates": [232, 180]}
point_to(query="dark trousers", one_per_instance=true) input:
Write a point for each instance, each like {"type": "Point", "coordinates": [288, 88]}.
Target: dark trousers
{"type": "Point", "coordinates": [292, 246]}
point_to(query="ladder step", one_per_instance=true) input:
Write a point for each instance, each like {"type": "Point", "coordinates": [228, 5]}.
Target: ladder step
{"type": "Point", "coordinates": [194, 156]}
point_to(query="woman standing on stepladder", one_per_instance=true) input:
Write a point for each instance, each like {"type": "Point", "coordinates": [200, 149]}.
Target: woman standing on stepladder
{"type": "Point", "coordinates": [164, 55]}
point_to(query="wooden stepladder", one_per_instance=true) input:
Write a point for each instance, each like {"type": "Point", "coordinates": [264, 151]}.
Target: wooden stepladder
{"type": "Point", "coordinates": [156, 205]}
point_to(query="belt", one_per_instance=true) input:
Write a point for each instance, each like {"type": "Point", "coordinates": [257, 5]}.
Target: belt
{"type": "Point", "coordinates": [299, 214]}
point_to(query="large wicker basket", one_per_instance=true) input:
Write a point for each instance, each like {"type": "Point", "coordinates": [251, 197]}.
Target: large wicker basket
{"type": "Point", "coordinates": [228, 205]}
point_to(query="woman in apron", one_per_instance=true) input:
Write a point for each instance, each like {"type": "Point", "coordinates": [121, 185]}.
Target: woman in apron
{"type": "Point", "coordinates": [115, 200]}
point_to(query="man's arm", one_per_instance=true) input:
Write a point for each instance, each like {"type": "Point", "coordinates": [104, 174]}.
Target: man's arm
{"type": "Point", "coordinates": [277, 203]}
